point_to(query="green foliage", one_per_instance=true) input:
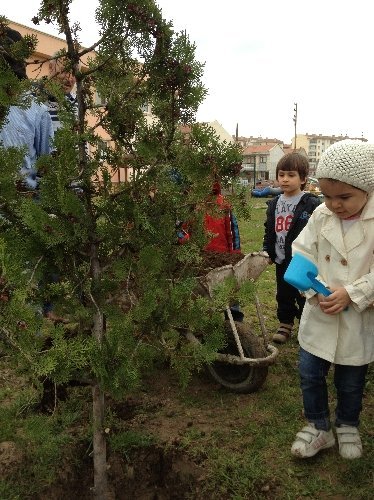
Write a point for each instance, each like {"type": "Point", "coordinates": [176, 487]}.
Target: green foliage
{"type": "Point", "coordinates": [13, 158]}
{"type": "Point", "coordinates": [11, 87]}
{"type": "Point", "coordinates": [106, 255]}
{"type": "Point", "coordinates": [42, 441]}
{"type": "Point", "coordinates": [45, 447]}
{"type": "Point", "coordinates": [240, 442]}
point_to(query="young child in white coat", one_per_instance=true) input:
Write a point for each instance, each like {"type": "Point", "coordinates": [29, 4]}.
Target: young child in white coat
{"type": "Point", "coordinates": [338, 329]}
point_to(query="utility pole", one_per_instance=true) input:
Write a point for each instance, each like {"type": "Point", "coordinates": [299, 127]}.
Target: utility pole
{"type": "Point", "coordinates": [254, 172]}
{"type": "Point", "coordinates": [295, 121]}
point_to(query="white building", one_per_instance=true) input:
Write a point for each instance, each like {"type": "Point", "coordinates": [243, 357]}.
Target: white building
{"type": "Point", "coordinates": [316, 144]}
{"type": "Point", "coordinates": [260, 162]}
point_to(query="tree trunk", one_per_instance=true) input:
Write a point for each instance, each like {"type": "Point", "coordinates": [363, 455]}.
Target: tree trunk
{"type": "Point", "coordinates": [101, 491]}
{"type": "Point", "coordinates": [99, 444]}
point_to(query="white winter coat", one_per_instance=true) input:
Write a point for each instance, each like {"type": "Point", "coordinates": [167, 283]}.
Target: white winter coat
{"type": "Point", "coordinates": [342, 260]}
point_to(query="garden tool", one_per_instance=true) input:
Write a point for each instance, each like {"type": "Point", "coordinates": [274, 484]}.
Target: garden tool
{"type": "Point", "coordinates": [301, 273]}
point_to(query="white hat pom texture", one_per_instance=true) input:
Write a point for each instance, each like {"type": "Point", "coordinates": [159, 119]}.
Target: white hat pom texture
{"type": "Point", "coordinates": [349, 161]}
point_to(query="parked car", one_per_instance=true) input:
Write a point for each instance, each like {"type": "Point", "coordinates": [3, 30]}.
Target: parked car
{"type": "Point", "coordinates": [266, 192]}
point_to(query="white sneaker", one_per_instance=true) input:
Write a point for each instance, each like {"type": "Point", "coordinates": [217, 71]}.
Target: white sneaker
{"type": "Point", "coordinates": [309, 441]}
{"type": "Point", "coordinates": [349, 440]}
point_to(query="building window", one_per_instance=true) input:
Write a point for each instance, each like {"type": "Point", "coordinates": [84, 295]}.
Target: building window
{"type": "Point", "coordinates": [146, 108]}
{"type": "Point", "coordinates": [98, 100]}
{"type": "Point", "coordinates": [103, 148]}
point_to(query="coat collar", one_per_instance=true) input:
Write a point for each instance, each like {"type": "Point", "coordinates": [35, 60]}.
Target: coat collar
{"type": "Point", "coordinates": [368, 211]}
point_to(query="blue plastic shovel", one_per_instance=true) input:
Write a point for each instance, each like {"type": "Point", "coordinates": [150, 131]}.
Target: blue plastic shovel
{"type": "Point", "coordinates": [301, 273]}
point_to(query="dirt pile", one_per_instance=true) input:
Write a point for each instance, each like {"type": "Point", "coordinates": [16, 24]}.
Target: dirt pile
{"type": "Point", "coordinates": [212, 260]}
{"type": "Point", "coordinates": [10, 459]}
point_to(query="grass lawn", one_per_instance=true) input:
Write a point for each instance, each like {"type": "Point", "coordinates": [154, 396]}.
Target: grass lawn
{"type": "Point", "coordinates": [326, 475]}
{"type": "Point", "coordinates": [198, 443]}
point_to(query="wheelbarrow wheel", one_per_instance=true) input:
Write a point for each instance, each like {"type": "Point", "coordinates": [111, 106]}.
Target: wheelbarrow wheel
{"type": "Point", "coordinates": [243, 378]}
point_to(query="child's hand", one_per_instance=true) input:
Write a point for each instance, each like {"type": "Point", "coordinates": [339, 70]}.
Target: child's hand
{"type": "Point", "coordinates": [336, 302]}
{"type": "Point", "coordinates": [265, 254]}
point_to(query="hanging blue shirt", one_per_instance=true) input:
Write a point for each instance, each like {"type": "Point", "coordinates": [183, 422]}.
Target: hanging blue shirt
{"type": "Point", "coordinates": [30, 128]}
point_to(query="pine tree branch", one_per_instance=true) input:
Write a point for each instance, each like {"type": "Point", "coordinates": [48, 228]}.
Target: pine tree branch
{"type": "Point", "coordinates": [109, 58]}
{"type": "Point", "coordinates": [35, 268]}
{"type": "Point", "coordinates": [9, 337]}
{"type": "Point", "coordinates": [86, 50]}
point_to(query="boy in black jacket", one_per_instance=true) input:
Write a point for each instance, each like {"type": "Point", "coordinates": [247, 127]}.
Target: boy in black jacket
{"type": "Point", "coordinates": [286, 216]}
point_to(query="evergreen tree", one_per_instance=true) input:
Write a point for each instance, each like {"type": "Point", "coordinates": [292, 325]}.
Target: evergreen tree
{"type": "Point", "coordinates": [125, 285]}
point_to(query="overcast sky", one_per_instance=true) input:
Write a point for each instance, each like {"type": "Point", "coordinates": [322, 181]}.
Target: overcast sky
{"type": "Point", "coordinates": [263, 56]}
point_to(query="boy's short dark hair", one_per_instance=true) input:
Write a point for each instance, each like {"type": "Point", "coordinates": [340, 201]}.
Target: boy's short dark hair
{"type": "Point", "coordinates": [294, 162]}
{"type": "Point", "coordinates": [8, 36]}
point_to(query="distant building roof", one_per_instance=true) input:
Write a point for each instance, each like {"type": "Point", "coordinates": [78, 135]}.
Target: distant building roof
{"type": "Point", "coordinates": [333, 137]}
{"type": "Point", "coordinates": [259, 148]}
{"type": "Point", "coordinates": [287, 148]}
{"type": "Point", "coordinates": [185, 129]}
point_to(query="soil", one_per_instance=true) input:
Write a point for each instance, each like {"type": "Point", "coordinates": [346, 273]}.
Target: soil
{"type": "Point", "coordinates": [10, 458]}
{"type": "Point", "coordinates": [164, 469]}
{"type": "Point", "coordinates": [211, 260]}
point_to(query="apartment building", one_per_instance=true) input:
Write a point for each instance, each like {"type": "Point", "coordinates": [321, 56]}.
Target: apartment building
{"type": "Point", "coordinates": [260, 162]}
{"type": "Point", "coordinates": [287, 148]}
{"type": "Point", "coordinates": [316, 144]}
{"type": "Point", "coordinates": [47, 46]}
{"type": "Point", "coordinates": [255, 141]}
{"type": "Point", "coordinates": [220, 131]}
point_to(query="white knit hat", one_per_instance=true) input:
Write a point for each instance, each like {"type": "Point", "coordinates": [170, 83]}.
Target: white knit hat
{"type": "Point", "coordinates": [349, 161]}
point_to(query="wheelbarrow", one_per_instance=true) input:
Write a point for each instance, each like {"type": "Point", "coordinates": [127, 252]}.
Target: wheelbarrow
{"type": "Point", "coordinates": [242, 366]}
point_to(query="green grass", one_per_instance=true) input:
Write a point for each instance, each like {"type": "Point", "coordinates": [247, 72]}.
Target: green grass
{"type": "Point", "coordinates": [254, 462]}
{"type": "Point", "coordinates": [242, 442]}
{"type": "Point", "coordinates": [251, 235]}
{"type": "Point", "coordinates": [266, 469]}
{"type": "Point", "coordinates": [252, 230]}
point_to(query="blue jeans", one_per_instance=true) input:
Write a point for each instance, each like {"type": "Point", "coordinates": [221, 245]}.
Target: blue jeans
{"type": "Point", "coordinates": [349, 383]}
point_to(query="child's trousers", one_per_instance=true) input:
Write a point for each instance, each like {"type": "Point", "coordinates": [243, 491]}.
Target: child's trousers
{"type": "Point", "coordinates": [349, 383]}
{"type": "Point", "coordinates": [290, 303]}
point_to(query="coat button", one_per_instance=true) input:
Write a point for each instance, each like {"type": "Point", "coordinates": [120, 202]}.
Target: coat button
{"type": "Point", "coordinates": [343, 262]}
{"type": "Point", "coordinates": [327, 258]}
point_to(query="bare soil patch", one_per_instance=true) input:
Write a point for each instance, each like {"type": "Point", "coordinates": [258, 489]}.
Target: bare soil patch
{"type": "Point", "coordinates": [164, 469]}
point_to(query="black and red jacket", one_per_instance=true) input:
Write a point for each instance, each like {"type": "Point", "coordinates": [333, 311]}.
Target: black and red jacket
{"type": "Point", "coordinates": [224, 230]}
{"type": "Point", "coordinates": [304, 210]}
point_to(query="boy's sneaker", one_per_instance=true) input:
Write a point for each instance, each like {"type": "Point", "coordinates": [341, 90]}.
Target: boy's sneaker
{"type": "Point", "coordinates": [309, 441]}
{"type": "Point", "coordinates": [349, 440]}
{"type": "Point", "coordinates": [283, 333]}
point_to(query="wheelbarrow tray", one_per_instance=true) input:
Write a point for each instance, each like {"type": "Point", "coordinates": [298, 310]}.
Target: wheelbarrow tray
{"type": "Point", "coordinates": [248, 268]}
